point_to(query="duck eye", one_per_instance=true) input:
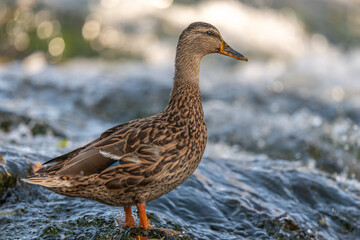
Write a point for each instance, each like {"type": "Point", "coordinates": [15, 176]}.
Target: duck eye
{"type": "Point", "coordinates": [210, 33]}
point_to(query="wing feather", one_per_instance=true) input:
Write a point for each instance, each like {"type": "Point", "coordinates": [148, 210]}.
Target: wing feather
{"type": "Point", "coordinates": [137, 146]}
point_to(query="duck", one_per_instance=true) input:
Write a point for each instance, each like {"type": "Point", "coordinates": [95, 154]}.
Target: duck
{"type": "Point", "coordinates": [141, 160]}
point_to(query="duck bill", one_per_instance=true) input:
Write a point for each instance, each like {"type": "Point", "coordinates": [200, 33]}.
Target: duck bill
{"type": "Point", "coordinates": [225, 49]}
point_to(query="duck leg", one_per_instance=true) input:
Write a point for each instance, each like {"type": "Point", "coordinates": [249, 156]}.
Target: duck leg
{"type": "Point", "coordinates": [144, 221]}
{"type": "Point", "coordinates": [129, 220]}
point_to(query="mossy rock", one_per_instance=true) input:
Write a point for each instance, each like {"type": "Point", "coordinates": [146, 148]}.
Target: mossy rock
{"type": "Point", "coordinates": [9, 121]}
{"type": "Point", "coordinates": [11, 171]}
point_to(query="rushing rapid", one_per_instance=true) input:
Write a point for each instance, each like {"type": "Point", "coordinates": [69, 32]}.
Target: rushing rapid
{"type": "Point", "coordinates": [278, 164]}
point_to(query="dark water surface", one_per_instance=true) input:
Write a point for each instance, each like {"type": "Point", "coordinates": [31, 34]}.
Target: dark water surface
{"type": "Point", "coordinates": [279, 164]}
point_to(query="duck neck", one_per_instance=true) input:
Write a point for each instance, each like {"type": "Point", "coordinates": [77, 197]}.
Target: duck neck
{"type": "Point", "coordinates": [186, 78]}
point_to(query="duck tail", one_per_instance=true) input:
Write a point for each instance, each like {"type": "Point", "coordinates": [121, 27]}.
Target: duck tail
{"type": "Point", "coordinates": [48, 181]}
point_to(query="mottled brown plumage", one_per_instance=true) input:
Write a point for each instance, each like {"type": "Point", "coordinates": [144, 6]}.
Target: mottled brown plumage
{"type": "Point", "coordinates": [154, 154]}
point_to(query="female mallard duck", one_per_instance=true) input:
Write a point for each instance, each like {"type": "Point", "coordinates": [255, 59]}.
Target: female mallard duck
{"type": "Point", "coordinates": [154, 154]}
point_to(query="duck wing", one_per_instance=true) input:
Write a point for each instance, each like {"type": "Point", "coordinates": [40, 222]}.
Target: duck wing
{"type": "Point", "coordinates": [94, 165]}
{"type": "Point", "coordinates": [117, 147]}
{"type": "Point", "coordinates": [140, 147]}
{"type": "Point", "coordinates": [147, 150]}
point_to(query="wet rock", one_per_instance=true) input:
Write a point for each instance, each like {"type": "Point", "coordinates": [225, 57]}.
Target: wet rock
{"type": "Point", "coordinates": [18, 165]}
{"type": "Point", "coordinates": [10, 121]}
{"type": "Point", "coordinates": [225, 199]}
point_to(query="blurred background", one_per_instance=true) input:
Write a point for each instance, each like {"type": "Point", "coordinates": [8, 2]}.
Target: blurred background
{"type": "Point", "coordinates": [287, 119]}
{"type": "Point", "coordinates": [115, 29]}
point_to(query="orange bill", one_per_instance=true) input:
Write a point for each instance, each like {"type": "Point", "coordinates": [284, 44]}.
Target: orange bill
{"type": "Point", "coordinates": [228, 51]}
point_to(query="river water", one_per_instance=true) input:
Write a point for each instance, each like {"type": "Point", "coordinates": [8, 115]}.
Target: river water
{"type": "Point", "coordinates": [281, 162]}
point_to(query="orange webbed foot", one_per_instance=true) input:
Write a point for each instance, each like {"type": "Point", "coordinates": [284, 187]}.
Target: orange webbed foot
{"type": "Point", "coordinates": [129, 219]}
{"type": "Point", "coordinates": [144, 221]}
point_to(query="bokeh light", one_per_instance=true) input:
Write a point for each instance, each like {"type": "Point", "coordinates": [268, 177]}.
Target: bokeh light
{"type": "Point", "coordinates": [21, 41]}
{"type": "Point", "coordinates": [162, 4]}
{"type": "Point", "coordinates": [56, 46]}
{"type": "Point", "coordinates": [109, 37]}
{"type": "Point", "coordinates": [45, 29]}
{"type": "Point", "coordinates": [91, 29]}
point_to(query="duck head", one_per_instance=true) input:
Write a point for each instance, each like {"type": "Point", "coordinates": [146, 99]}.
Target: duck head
{"type": "Point", "coordinates": [202, 38]}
